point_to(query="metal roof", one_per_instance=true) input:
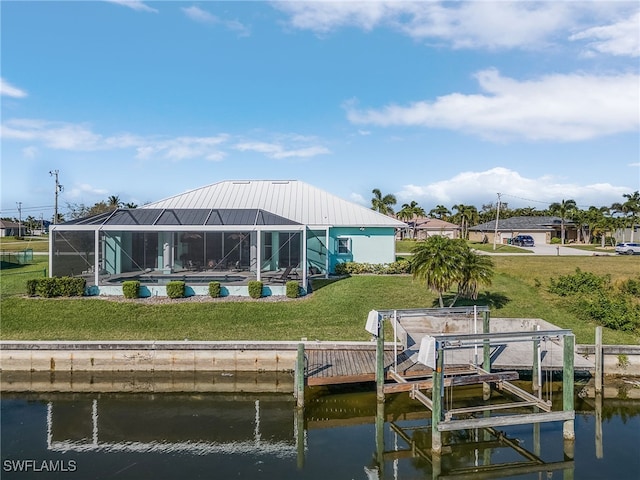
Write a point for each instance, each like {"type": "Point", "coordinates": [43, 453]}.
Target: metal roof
{"type": "Point", "coordinates": [523, 223]}
{"type": "Point", "coordinates": [293, 200]}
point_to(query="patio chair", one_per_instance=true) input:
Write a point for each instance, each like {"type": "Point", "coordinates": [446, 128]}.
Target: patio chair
{"type": "Point", "coordinates": [284, 277]}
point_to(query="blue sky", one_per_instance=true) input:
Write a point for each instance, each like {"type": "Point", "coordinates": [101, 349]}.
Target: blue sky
{"type": "Point", "coordinates": [437, 102]}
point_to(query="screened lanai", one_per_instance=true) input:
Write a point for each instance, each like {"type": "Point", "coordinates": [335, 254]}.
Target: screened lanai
{"type": "Point", "coordinates": [229, 231]}
{"type": "Point", "coordinates": [155, 246]}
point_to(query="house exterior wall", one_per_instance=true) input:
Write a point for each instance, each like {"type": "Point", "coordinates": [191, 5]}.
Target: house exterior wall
{"type": "Point", "coordinates": [366, 245]}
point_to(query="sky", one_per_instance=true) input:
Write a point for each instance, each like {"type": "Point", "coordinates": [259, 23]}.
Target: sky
{"type": "Point", "coordinates": [440, 103]}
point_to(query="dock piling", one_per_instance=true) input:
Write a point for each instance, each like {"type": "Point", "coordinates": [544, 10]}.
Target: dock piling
{"type": "Point", "coordinates": [300, 376]}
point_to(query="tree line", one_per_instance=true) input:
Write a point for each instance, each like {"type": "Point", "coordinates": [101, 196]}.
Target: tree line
{"type": "Point", "coordinates": [590, 222]}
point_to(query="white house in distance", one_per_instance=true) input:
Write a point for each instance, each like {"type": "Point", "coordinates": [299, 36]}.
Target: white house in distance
{"type": "Point", "coordinates": [230, 231]}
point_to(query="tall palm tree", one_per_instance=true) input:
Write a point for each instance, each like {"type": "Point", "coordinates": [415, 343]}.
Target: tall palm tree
{"type": "Point", "coordinates": [465, 215]}
{"type": "Point", "coordinates": [436, 262]}
{"type": "Point", "coordinates": [114, 202]}
{"type": "Point", "coordinates": [440, 212]}
{"type": "Point", "coordinates": [130, 205]}
{"type": "Point", "coordinates": [410, 211]}
{"type": "Point", "coordinates": [564, 210]}
{"type": "Point", "coordinates": [382, 204]}
{"type": "Point", "coordinates": [630, 208]}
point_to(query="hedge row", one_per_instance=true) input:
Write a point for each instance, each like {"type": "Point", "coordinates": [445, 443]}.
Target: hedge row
{"type": "Point", "coordinates": [56, 287]}
{"type": "Point", "coordinates": [354, 268]}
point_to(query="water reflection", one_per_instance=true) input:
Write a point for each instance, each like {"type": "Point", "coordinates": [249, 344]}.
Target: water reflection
{"type": "Point", "coordinates": [339, 434]}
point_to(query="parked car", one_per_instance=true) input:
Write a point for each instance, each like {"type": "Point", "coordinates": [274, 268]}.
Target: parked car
{"type": "Point", "coordinates": [628, 248]}
{"type": "Point", "coordinates": [522, 241]}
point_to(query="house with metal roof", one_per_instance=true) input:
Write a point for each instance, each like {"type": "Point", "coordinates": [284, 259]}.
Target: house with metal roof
{"type": "Point", "coordinates": [542, 229]}
{"type": "Point", "coordinates": [230, 231]}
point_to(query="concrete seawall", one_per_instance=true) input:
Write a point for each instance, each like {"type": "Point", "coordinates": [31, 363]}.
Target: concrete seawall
{"type": "Point", "coordinates": [164, 356]}
{"type": "Point", "coordinates": [194, 356]}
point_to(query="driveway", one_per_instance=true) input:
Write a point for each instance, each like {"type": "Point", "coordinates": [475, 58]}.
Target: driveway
{"type": "Point", "coordinates": [554, 250]}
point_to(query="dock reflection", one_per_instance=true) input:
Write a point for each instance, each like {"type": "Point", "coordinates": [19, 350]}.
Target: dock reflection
{"type": "Point", "coordinates": [266, 424]}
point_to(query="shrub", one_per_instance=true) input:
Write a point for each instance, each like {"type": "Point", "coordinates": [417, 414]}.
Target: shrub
{"type": "Point", "coordinates": [255, 288]}
{"type": "Point", "coordinates": [131, 289]}
{"type": "Point", "coordinates": [354, 268]}
{"type": "Point", "coordinates": [175, 289]}
{"type": "Point", "coordinates": [579, 282]}
{"type": "Point", "coordinates": [32, 286]}
{"type": "Point", "coordinates": [555, 241]}
{"type": "Point", "coordinates": [631, 287]}
{"type": "Point", "coordinates": [293, 289]}
{"type": "Point", "coordinates": [47, 287]}
{"type": "Point", "coordinates": [215, 290]}
{"type": "Point", "coordinates": [71, 286]}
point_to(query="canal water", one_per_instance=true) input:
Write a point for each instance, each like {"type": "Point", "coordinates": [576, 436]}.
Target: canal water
{"type": "Point", "coordinates": [340, 434]}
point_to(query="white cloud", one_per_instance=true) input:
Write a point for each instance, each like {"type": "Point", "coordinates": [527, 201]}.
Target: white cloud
{"type": "Point", "coordinates": [79, 137]}
{"type": "Point", "coordinates": [200, 15]}
{"type": "Point", "coordinates": [475, 24]}
{"type": "Point", "coordinates": [183, 148]}
{"type": "Point", "coordinates": [30, 152]}
{"type": "Point", "coordinates": [8, 90]}
{"type": "Point", "coordinates": [277, 150]}
{"type": "Point", "coordinates": [621, 38]}
{"type": "Point", "coordinates": [134, 5]}
{"type": "Point", "coordinates": [568, 107]}
{"type": "Point", "coordinates": [197, 14]}
{"type": "Point", "coordinates": [82, 190]}
{"type": "Point", "coordinates": [478, 188]}
{"type": "Point", "coordinates": [359, 199]}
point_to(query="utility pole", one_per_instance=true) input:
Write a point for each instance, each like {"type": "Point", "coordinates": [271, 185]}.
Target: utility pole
{"type": "Point", "coordinates": [19, 204]}
{"type": "Point", "coordinates": [495, 233]}
{"type": "Point", "coordinates": [59, 188]}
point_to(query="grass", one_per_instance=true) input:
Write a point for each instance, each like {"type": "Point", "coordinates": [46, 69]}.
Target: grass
{"type": "Point", "coordinates": [337, 310]}
{"type": "Point", "coordinates": [37, 244]}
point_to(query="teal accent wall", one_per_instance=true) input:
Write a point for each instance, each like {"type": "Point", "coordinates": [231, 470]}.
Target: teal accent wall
{"type": "Point", "coordinates": [370, 245]}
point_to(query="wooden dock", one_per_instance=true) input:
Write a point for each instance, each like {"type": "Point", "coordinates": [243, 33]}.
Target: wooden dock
{"type": "Point", "coordinates": [341, 366]}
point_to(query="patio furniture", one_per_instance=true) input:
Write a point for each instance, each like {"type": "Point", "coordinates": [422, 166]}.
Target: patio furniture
{"type": "Point", "coordinates": [285, 276]}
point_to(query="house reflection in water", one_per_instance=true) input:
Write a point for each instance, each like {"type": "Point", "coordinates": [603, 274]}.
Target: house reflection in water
{"type": "Point", "coordinates": [131, 423]}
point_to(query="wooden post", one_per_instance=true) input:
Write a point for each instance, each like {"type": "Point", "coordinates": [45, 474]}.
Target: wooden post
{"type": "Point", "coordinates": [536, 373]}
{"type": "Point", "coordinates": [567, 385]}
{"type": "Point", "coordinates": [436, 394]}
{"type": "Point", "coordinates": [598, 360]}
{"type": "Point", "coordinates": [380, 362]}
{"type": "Point", "coordinates": [380, 438]}
{"type": "Point", "coordinates": [300, 377]}
{"type": "Point", "coordinates": [486, 355]}
{"type": "Point", "coordinates": [300, 437]}
{"type": "Point", "coordinates": [599, 449]}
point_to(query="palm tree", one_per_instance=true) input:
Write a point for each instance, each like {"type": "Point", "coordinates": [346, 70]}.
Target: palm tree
{"type": "Point", "coordinates": [410, 211]}
{"type": "Point", "coordinates": [130, 205]}
{"type": "Point", "coordinates": [436, 262]}
{"type": "Point", "coordinates": [594, 220]}
{"type": "Point", "coordinates": [381, 203]}
{"type": "Point", "coordinates": [630, 209]}
{"type": "Point", "coordinates": [440, 212]}
{"type": "Point", "coordinates": [476, 270]}
{"type": "Point", "coordinates": [113, 202]}
{"type": "Point", "coordinates": [564, 210]}
{"type": "Point", "coordinates": [466, 214]}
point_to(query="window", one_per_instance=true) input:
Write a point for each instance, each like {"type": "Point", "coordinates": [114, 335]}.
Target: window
{"type": "Point", "coordinates": [344, 245]}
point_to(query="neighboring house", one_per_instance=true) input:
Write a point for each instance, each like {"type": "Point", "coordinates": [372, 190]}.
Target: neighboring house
{"type": "Point", "coordinates": [224, 231]}
{"type": "Point", "coordinates": [542, 229]}
{"type": "Point", "coordinates": [424, 227]}
{"type": "Point", "coordinates": [12, 229]}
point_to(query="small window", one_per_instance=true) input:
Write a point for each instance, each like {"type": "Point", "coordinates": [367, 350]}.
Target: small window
{"type": "Point", "coordinates": [344, 245]}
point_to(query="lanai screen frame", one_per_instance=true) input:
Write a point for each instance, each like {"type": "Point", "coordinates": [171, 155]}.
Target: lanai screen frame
{"type": "Point", "coordinates": [94, 232]}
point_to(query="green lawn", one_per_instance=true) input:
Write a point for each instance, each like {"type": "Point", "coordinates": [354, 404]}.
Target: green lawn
{"type": "Point", "coordinates": [337, 310]}
{"type": "Point", "coordinates": [37, 244]}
